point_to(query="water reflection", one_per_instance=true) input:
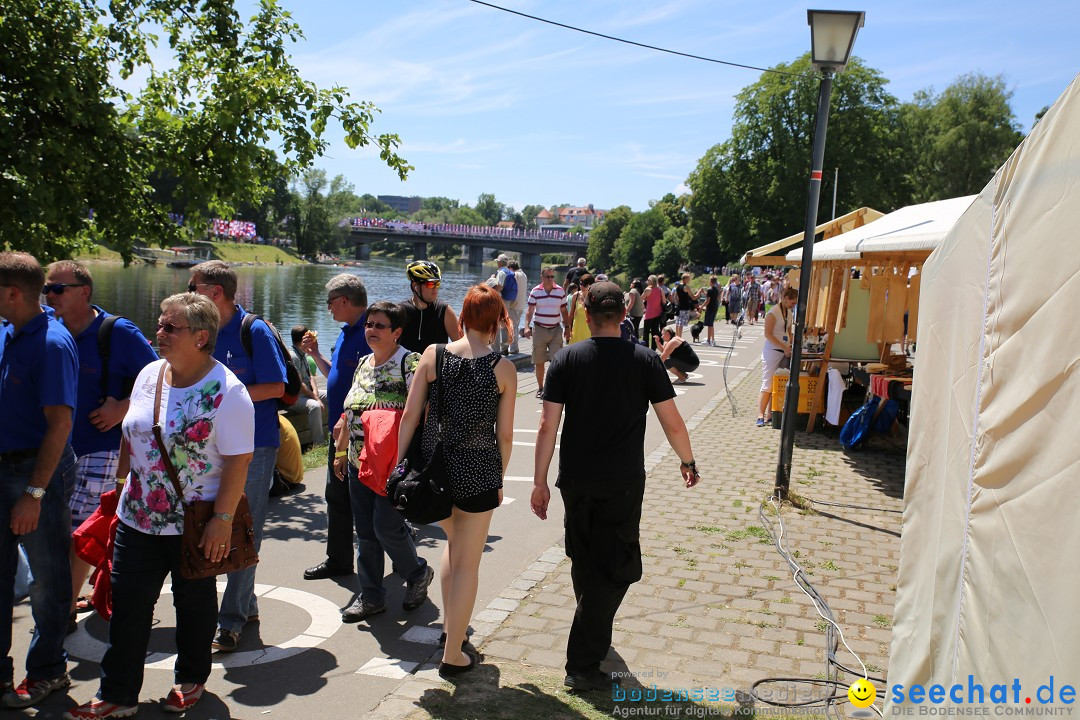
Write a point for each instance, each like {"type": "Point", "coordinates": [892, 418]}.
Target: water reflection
{"type": "Point", "coordinates": [285, 294]}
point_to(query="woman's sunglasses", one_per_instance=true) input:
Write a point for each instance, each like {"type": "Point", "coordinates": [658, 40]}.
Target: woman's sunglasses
{"type": "Point", "coordinates": [170, 329]}
{"type": "Point", "coordinates": [376, 325]}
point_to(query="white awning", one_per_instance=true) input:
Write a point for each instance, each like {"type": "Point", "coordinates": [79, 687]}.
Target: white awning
{"type": "Point", "coordinates": [831, 249]}
{"type": "Point", "coordinates": [915, 227]}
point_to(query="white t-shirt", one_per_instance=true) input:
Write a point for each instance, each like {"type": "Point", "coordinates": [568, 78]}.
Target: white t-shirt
{"type": "Point", "coordinates": [201, 423]}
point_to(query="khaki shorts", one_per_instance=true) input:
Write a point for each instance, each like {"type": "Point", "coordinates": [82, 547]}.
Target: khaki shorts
{"type": "Point", "coordinates": [546, 342]}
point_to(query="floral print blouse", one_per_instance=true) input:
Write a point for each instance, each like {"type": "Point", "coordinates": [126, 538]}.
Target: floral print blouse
{"type": "Point", "coordinates": [212, 418]}
{"type": "Point", "coordinates": [384, 386]}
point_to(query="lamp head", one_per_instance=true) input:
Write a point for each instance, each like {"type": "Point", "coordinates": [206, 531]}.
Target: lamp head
{"type": "Point", "coordinates": [832, 35]}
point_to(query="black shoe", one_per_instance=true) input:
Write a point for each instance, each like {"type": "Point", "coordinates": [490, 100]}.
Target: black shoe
{"type": "Point", "coordinates": [448, 670]}
{"type": "Point", "coordinates": [225, 641]}
{"type": "Point", "coordinates": [73, 623]}
{"type": "Point", "coordinates": [360, 610]}
{"type": "Point", "coordinates": [505, 353]}
{"type": "Point", "coordinates": [416, 592]}
{"type": "Point", "coordinates": [325, 570]}
{"type": "Point", "coordinates": [588, 681]}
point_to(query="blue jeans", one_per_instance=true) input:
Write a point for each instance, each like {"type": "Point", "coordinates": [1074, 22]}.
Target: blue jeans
{"type": "Point", "coordinates": [47, 550]}
{"type": "Point", "coordinates": [238, 602]}
{"type": "Point", "coordinates": [140, 563]}
{"type": "Point", "coordinates": [380, 528]}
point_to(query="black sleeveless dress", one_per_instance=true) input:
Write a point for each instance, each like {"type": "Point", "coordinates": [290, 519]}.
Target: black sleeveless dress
{"type": "Point", "coordinates": [470, 403]}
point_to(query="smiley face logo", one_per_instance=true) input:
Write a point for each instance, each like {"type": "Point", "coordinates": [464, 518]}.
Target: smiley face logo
{"type": "Point", "coordinates": [862, 694]}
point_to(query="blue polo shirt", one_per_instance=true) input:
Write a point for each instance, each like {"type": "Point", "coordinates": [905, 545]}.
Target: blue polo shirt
{"type": "Point", "coordinates": [351, 345]}
{"type": "Point", "coordinates": [266, 366]}
{"type": "Point", "coordinates": [130, 352]}
{"type": "Point", "coordinates": [39, 366]}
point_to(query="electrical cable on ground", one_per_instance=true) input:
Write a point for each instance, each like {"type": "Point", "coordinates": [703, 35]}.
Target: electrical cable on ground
{"type": "Point", "coordinates": [641, 45]}
{"type": "Point", "coordinates": [834, 636]}
{"type": "Point", "coordinates": [727, 361]}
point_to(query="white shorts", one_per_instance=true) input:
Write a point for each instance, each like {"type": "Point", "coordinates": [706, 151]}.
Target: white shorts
{"type": "Point", "coordinates": [771, 360]}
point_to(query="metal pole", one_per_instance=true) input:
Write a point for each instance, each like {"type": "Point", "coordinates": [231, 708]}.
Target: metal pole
{"type": "Point", "coordinates": [791, 396]}
{"type": "Point", "coordinates": [835, 184]}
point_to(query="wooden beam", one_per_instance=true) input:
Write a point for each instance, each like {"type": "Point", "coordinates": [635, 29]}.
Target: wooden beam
{"type": "Point", "coordinates": [837, 290]}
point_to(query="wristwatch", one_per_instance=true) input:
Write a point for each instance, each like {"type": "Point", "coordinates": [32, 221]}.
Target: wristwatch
{"type": "Point", "coordinates": [225, 517]}
{"type": "Point", "coordinates": [35, 492]}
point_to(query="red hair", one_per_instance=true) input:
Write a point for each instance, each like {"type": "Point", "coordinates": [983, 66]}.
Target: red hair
{"type": "Point", "coordinates": [483, 310]}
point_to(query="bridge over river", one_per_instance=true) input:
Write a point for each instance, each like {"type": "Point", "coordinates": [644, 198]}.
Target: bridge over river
{"type": "Point", "coordinates": [530, 244]}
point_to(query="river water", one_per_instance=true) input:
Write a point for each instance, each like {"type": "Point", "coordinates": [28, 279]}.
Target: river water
{"type": "Point", "coordinates": [285, 294]}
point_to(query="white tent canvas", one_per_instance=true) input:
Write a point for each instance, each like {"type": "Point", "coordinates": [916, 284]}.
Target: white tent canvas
{"type": "Point", "coordinates": [989, 572]}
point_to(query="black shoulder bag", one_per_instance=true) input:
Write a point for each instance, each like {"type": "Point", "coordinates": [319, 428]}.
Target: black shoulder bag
{"type": "Point", "coordinates": [421, 492]}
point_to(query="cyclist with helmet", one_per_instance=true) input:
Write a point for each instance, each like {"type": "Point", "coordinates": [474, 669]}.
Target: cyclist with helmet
{"type": "Point", "coordinates": [428, 320]}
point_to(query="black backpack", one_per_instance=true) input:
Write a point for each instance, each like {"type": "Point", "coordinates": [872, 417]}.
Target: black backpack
{"type": "Point", "coordinates": [292, 376]}
{"type": "Point", "coordinates": [104, 343]}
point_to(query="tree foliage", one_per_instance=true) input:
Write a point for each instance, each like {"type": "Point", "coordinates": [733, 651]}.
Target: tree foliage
{"type": "Point", "coordinates": [603, 237]}
{"type": "Point", "coordinates": [634, 248]}
{"type": "Point", "coordinates": [669, 254]}
{"type": "Point", "coordinates": [490, 209]}
{"type": "Point", "coordinates": [72, 140]}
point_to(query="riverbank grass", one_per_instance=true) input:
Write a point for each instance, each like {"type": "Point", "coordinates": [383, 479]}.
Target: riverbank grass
{"type": "Point", "coordinates": [231, 252]}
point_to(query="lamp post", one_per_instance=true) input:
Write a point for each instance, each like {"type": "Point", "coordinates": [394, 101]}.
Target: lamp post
{"type": "Point", "coordinates": [832, 35]}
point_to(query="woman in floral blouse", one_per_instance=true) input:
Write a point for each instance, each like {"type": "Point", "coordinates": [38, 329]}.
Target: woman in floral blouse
{"type": "Point", "coordinates": [369, 429]}
{"type": "Point", "coordinates": [208, 421]}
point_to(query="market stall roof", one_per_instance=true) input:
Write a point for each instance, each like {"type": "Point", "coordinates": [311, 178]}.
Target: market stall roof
{"type": "Point", "coordinates": [915, 228]}
{"type": "Point", "coordinates": [773, 253]}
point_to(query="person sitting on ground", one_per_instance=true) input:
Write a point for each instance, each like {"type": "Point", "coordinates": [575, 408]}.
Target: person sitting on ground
{"type": "Point", "coordinates": [777, 347]}
{"type": "Point", "coordinates": [677, 355]}
{"type": "Point", "coordinates": [208, 426]}
{"type": "Point", "coordinates": [366, 435]}
{"type": "Point", "coordinates": [309, 401]}
{"type": "Point", "coordinates": [477, 389]}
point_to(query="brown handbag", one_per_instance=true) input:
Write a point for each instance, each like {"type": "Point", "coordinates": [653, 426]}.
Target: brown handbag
{"type": "Point", "coordinates": [197, 514]}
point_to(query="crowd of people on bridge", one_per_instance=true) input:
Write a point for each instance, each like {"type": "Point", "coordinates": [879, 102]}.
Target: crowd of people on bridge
{"type": "Point", "coordinates": [98, 422]}
{"type": "Point", "coordinates": [486, 231]}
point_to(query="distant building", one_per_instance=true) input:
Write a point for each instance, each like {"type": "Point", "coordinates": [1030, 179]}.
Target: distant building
{"type": "Point", "coordinates": [587, 216]}
{"type": "Point", "coordinates": [402, 204]}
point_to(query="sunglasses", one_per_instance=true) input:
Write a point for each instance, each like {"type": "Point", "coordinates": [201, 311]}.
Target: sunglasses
{"type": "Point", "coordinates": [548, 277]}
{"type": "Point", "coordinates": [429, 284]}
{"type": "Point", "coordinates": [58, 288]}
{"type": "Point", "coordinates": [170, 329]}
{"type": "Point", "coordinates": [330, 300]}
{"type": "Point", "coordinates": [192, 287]}
{"type": "Point", "coordinates": [370, 325]}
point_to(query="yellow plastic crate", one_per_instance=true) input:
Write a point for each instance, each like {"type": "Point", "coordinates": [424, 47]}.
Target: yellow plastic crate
{"type": "Point", "coordinates": [807, 385]}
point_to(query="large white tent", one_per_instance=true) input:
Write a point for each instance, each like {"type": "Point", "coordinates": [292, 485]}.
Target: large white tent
{"type": "Point", "coordinates": [989, 575]}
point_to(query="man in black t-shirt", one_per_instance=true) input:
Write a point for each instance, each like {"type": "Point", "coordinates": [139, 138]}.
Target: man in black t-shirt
{"type": "Point", "coordinates": [573, 275]}
{"type": "Point", "coordinates": [606, 385]}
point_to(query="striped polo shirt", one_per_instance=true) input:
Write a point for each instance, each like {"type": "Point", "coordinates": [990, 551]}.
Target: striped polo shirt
{"type": "Point", "coordinates": [548, 304]}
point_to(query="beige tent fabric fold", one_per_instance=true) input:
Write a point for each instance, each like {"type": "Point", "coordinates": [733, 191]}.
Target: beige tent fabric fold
{"type": "Point", "coordinates": [913, 307]}
{"type": "Point", "coordinates": [989, 572]}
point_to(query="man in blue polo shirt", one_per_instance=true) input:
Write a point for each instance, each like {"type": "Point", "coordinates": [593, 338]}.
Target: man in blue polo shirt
{"type": "Point", "coordinates": [346, 299]}
{"type": "Point", "coordinates": [38, 371]}
{"type": "Point", "coordinates": [103, 394]}
{"type": "Point", "coordinates": [263, 372]}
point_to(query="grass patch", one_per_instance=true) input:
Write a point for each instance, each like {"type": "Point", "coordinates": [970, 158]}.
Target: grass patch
{"type": "Point", "coordinates": [682, 582]}
{"type": "Point", "coordinates": [679, 622]}
{"type": "Point", "coordinates": [680, 550]}
{"type": "Point", "coordinates": [249, 253]}
{"type": "Point", "coordinates": [882, 621]}
{"type": "Point", "coordinates": [737, 503]}
{"type": "Point", "coordinates": [822, 625]}
{"type": "Point", "coordinates": [829, 565]}
{"type": "Point", "coordinates": [740, 564]}
{"type": "Point", "coordinates": [707, 529]}
{"type": "Point", "coordinates": [786, 599]}
{"type": "Point", "coordinates": [316, 457]}
{"type": "Point", "coordinates": [691, 563]}
{"type": "Point", "coordinates": [753, 531]}
{"type": "Point", "coordinates": [98, 252]}
{"type": "Point", "coordinates": [771, 577]}
{"type": "Point", "coordinates": [813, 472]}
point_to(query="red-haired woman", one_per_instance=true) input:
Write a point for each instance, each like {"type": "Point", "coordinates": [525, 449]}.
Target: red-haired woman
{"type": "Point", "coordinates": [479, 388]}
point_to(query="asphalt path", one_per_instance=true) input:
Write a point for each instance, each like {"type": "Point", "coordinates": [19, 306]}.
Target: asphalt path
{"type": "Point", "coordinates": [300, 660]}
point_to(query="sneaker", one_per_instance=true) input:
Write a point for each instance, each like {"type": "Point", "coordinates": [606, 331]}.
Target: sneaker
{"type": "Point", "coordinates": [31, 692]}
{"type": "Point", "coordinates": [360, 610]}
{"type": "Point", "coordinates": [97, 709]}
{"type": "Point", "coordinates": [225, 640]}
{"type": "Point", "coordinates": [178, 701]}
{"type": "Point", "coordinates": [540, 394]}
{"type": "Point", "coordinates": [761, 422]}
{"type": "Point", "coordinates": [416, 592]}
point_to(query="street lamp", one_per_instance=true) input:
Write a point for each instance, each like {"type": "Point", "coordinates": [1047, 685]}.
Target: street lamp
{"type": "Point", "coordinates": [832, 35]}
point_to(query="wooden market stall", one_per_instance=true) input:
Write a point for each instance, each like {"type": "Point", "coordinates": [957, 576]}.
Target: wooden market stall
{"type": "Point", "coordinates": [774, 252]}
{"type": "Point", "coordinates": [889, 254]}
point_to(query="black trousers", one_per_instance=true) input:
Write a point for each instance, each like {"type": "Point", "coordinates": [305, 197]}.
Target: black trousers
{"type": "Point", "coordinates": [602, 544]}
{"type": "Point", "coordinates": [651, 330]}
{"type": "Point", "coordinates": [339, 516]}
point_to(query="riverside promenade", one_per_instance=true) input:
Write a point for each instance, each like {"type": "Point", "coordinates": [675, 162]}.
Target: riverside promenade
{"type": "Point", "coordinates": [717, 607]}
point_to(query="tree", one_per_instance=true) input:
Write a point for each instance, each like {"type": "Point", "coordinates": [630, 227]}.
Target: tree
{"type": "Point", "coordinates": [633, 249]}
{"type": "Point", "coordinates": [490, 209]}
{"type": "Point", "coordinates": [602, 238]}
{"type": "Point", "coordinates": [673, 208]}
{"type": "Point", "coordinates": [437, 204]}
{"type": "Point", "coordinates": [755, 182]}
{"type": "Point", "coordinates": [669, 254]}
{"type": "Point", "coordinates": [529, 213]}
{"type": "Point", "coordinates": [465, 215]}
{"type": "Point", "coordinates": [311, 225]}
{"type": "Point", "coordinates": [77, 152]}
{"type": "Point", "coordinates": [372, 206]}
{"type": "Point", "coordinates": [960, 137]}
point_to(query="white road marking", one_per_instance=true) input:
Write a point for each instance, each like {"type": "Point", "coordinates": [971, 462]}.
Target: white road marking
{"type": "Point", "coordinates": [388, 668]}
{"type": "Point", "coordinates": [325, 621]}
{"type": "Point", "coordinates": [507, 500]}
{"type": "Point", "coordinates": [422, 635]}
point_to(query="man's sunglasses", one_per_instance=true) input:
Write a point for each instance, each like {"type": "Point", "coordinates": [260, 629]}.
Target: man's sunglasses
{"type": "Point", "coordinates": [371, 325]}
{"type": "Point", "coordinates": [429, 284]}
{"type": "Point", "coordinates": [193, 287]}
{"type": "Point", "coordinates": [59, 288]}
{"type": "Point", "coordinates": [170, 329]}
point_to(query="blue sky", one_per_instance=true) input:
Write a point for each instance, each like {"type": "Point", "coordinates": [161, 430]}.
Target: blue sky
{"type": "Point", "coordinates": [485, 101]}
